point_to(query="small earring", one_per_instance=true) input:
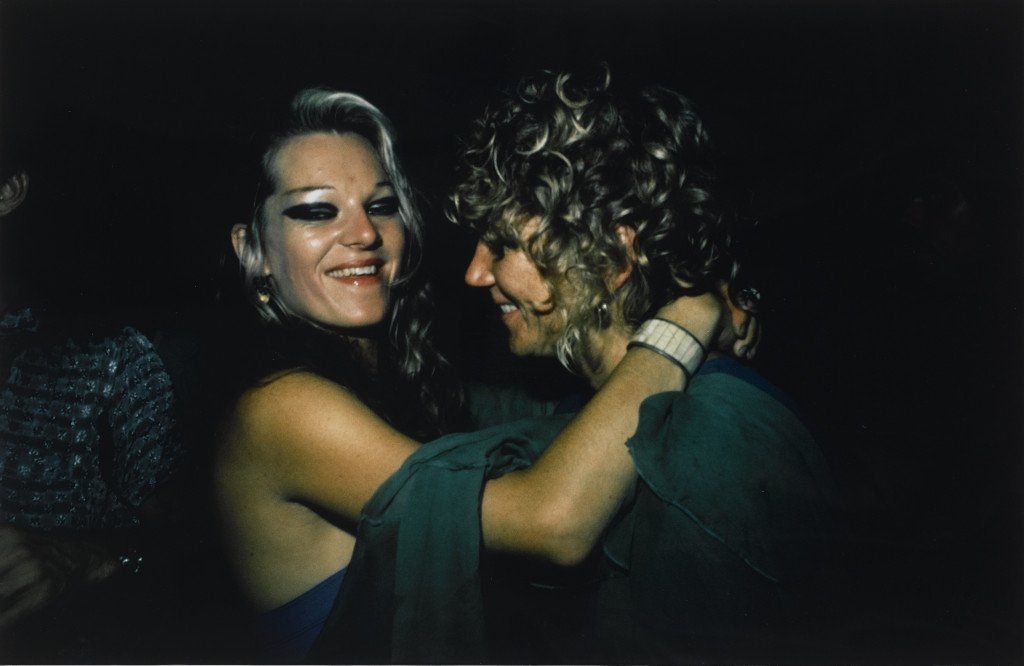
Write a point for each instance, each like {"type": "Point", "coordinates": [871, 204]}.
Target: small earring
{"type": "Point", "coordinates": [263, 287]}
{"type": "Point", "coordinates": [603, 313]}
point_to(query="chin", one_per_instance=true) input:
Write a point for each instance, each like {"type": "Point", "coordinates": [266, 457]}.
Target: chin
{"type": "Point", "coordinates": [527, 350]}
{"type": "Point", "coordinates": [358, 317]}
{"type": "Point", "coordinates": [348, 322]}
{"type": "Point", "coordinates": [361, 322]}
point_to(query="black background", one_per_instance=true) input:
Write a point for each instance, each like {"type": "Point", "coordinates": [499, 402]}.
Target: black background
{"type": "Point", "coordinates": [830, 117]}
{"type": "Point", "coordinates": [142, 109]}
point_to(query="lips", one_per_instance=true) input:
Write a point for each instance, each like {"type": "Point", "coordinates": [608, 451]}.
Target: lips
{"type": "Point", "coordinates": [507, 312]}
{"type": "Point", "coordinates": [365, 269]}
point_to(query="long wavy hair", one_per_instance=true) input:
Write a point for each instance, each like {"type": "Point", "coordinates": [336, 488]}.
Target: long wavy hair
{"type": "Point", "coordinates": [406, 347]}
{"type": "Point", "coordinates": [580, 159]}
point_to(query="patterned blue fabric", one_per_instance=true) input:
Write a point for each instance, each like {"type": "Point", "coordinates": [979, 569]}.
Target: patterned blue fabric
{"type": "Point", "coordinates": [88, 428]}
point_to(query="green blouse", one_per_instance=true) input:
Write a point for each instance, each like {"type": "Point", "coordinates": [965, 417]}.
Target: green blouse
{"type": "Point", "coordinates": [719, 551]}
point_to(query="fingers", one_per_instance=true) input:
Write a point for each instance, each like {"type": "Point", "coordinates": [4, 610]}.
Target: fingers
{"type": "Point", "coordinates": [25, 601]}
{"type": "Point", "coordinates": [744, 327]}
{"type": "Point", "coordinates": [748, 338]}
{"type": "Point", "coordinates": [728, 326]}
{"type": "Point", "coordinates": [24, 576]}
{"type": "Point", "coordinates": [24, 585]}
{"type": "Point", "coordinates": [742, 338]}
{"type": "Point", "coordinates": [14, 552]}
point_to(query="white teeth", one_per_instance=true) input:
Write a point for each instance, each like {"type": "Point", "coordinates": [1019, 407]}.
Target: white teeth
{"type": "Point", "coordinates": [507, 307]}
{"type": "Point", "coordinates": [350, 272]}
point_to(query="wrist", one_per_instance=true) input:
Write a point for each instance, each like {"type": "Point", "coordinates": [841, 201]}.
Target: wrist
{"type": "Point", "coordinates": [653, 372]}
{"type": "Point", "coordinates": [698, 315]}
{"type": "Point", "coordinates": [672, 342]}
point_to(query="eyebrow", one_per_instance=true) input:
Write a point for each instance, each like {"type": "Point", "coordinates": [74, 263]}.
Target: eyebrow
{"type": "Point", "coordinates": [313, 188]}
{"type": "Point", "coordinates": [308, 188]}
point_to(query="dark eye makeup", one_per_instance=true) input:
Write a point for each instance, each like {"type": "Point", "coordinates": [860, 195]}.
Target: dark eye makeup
{"type": "Point", "coordinates": [384, 207]}
{"type": "Point", "coordinates": [312, 212]}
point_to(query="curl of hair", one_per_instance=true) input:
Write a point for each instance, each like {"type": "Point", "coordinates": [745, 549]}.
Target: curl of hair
{"type": "Point", "coordinates": [319, 110]}
{"type": "Point", "coordinates": [569, 152]}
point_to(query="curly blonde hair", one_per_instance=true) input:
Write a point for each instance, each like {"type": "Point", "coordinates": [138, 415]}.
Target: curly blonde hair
{"type": "Point", "coordinates": [582, 160]}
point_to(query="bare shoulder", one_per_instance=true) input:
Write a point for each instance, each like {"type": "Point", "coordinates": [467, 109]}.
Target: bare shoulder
{"type": "Point", "coordinates": [294, 403]}
{"type": "Point", "coordinates": [314, 441]}
{"type": "Point", "coordinates": [289, 390]}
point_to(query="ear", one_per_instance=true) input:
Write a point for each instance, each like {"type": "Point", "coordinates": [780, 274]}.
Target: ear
{"type": "Point", "coordinates": [13, 192]}
{"type": "Point", "coordinates": [627, 236]}
{"type": "Point", "coordinates": [239, 237]}
{"type": "Point", "coordinates": [239, 232]}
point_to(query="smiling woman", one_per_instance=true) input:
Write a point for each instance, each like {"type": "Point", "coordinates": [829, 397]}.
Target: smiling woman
{"type": "Point", "coordinates": [334, 233]}
{"type": "Point", "coordinates": [525, 299]}
{"type": "Point", "coordinates": [337, 382]}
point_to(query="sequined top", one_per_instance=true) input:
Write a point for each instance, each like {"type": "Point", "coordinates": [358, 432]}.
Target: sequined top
{"type": "Point", "coordinates": [88, 427]}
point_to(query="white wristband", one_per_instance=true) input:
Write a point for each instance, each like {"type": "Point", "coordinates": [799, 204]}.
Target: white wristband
{"type": "Point", "coordinates": [671, 341]}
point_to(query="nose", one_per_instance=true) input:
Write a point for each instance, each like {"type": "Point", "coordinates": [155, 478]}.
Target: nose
{"type": "Point", "coordinates": [359, 231]}
{"type": "Point", "coordinates": [479, 274]}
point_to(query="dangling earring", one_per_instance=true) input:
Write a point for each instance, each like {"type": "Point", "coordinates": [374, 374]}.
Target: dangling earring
{"type": "Point", "coordinates": [603, 313]}
{"type": "Point", "coordinates": [263, 287]}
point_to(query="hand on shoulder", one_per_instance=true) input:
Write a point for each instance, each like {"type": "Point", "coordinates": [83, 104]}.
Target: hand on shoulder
{"type": "Point", "coordinates": [717, 322]}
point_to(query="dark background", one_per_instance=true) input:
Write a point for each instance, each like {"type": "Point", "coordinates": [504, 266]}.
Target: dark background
{"type": "Point", "coordinates": [142, 110]}
{"type": "Point", "coordinates": [877, 146]}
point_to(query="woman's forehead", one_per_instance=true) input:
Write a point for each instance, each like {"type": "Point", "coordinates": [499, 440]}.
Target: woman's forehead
{"type": "Point", "coordinates": [308, 155]}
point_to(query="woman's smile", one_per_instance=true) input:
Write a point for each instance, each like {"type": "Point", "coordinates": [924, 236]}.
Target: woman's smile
{"type": "Point", "coordinates": [335, 232]}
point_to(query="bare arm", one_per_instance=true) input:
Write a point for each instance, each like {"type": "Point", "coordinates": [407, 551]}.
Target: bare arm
{"type": "Point", "coordinates": [558, 508]}
{"type": "Point", "coordinates": [296, 461]}
{"type": "Point", "coordinates": [313, 442]}
{"type": "Point", "coordinates": [320, 445]}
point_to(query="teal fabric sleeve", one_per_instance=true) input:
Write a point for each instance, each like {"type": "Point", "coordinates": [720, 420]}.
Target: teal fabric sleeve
{"type": "Point", "coordinates": [723, 550]}
{"type": "Point", "coordinates": [732, 490]}
{"type": "Point", "coordinates": [413, 594]}
{"type": "Point", "coordinates": [730, 458]}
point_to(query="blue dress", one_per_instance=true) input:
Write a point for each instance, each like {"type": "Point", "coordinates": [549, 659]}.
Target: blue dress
{"type": "Point", "coordinates": [286, 633]}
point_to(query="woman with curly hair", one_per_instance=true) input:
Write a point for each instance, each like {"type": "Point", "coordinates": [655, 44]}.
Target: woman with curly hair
{"type": "Point", "coordinates": [340, 383]}
{"type": "Point", "coordinates": [597, 217]}
{"type": "Point", "coordinates": [591, 186]}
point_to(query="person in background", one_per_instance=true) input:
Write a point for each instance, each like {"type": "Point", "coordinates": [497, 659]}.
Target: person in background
{"type": "Point", "coordinates": [89, 436]}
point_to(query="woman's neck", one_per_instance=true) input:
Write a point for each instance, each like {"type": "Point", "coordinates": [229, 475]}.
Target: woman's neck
{"type": "Point", "coordinates": [366, 350]}
{"type": "Point", "coordinates": [611, 346]}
